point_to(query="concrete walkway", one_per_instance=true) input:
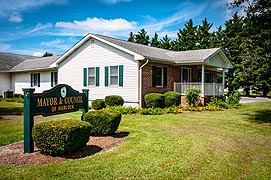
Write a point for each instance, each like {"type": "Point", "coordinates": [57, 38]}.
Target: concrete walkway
{"type": "Point", "coordinates": [257, 99]}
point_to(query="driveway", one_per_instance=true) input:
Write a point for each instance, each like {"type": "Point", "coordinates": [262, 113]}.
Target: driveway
{"type": "Point", "coordinates": [257, 99]}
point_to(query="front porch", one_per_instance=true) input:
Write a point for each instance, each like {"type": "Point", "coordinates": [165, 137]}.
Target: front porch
{"type": "Point", "coordinates": [209, 89]}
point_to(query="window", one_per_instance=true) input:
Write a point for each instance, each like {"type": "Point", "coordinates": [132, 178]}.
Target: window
{"type": "Point", "coordinates": [91, 76]}
{"type": "Point", "coordinates": [114, 75]}
{"type": "Point", "coordinates": [208, 76]}
{"type": "Point", "coordinates": [185, 74]}
{"type": "Point", "coordinates": [54, 79]}
{"type": "Point", "coordinates": [35, 80]}
{"type": "Point", "coordinates": [159, 76]}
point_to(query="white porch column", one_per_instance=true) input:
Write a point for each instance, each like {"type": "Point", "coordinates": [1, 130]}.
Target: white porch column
{"type": "Point", "coordinates": [223, 80]}
{"type": "Point", "coordinates": [202, 80]}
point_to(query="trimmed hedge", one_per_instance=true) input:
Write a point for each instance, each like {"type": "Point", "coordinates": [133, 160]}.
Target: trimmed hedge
{"type": "Point", "coordinates": [155, 100]}
{"type": "Point", "coordinates": [61, 137]}
{"type": "Point", "coordinates": [98, 104]}
{"type": "Point", "coordinates": [114, 100]}
{"type": "Point", "coordinates": [103, 122]}
{"type": "Point", "coordinates": [172, 99]}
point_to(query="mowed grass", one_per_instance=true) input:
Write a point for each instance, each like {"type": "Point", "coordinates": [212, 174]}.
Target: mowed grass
{"type": "Point", "coordinates": [233, 144]}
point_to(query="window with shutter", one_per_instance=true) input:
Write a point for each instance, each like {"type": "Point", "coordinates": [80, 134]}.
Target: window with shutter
{"type": "Point", "coordinates": [159, 76]}
{"type": "Point", "coordinates": [35, 80]}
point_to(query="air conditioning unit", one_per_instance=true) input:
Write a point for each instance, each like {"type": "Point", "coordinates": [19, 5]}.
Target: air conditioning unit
{"type": "Point", "coordinates": [7, 94]}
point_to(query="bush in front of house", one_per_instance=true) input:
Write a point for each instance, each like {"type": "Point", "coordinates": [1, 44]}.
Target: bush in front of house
{"type": "Point", "coordinates": [233, 99]}
{"type": "Point", "coordinates": [123, 109]}
{"type": "Point", "coordinates": [155, 100]}
{"type": "Point", "coordinates": [172, 99]}
{"type": "Point", "coordinates": [217, 102]}
{"type": "Point", "coordinates": [98, 104]}
{"type": "Point", "coordinates": [103, 122]}
{"type": "Point", "coordinates": [114, 100]}
{"type": "Point", "coordinates": [192, 96]}
{"type": "Point", "coordinates": [61, 137]}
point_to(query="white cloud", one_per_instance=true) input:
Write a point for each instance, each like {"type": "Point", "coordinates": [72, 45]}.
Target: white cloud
{"type": "Point", "coordinates": [95, 25]}
{"type": "Point", "coordinates": [4, 47]}
{"type": "Point", "coordinates": [8, 7]}
{"type": "Point", "coordinates": [52, 43]}
{"type": "Point", "coordinates": [41, 26]}
{"type": "Point", "coordinates": [16, 17]}
{"type": "Point", "coordinates": [114, 1]}
{"type": "Point", "coordinates": [38, 54]}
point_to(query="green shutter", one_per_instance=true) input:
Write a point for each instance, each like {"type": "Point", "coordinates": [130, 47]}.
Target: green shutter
{"type": "Point", "coordinates": [38, 79]}
{"type": "Point", "coordinates": [97, 76]}
{"type": "Point", "coordinates": [121, 75]}
{"type": "Point", "coordinates": [85, 76]}
{"type": "Point", "coordinates": [153, 76]}
{"type": "Point", "coordinates": [31, 80]}
{"type": "Point", "coordinates": [106, 76]}
{"type": "Point", "coordinates": [52, 79]}
{"type": "Point", "coordinates": [165, 76]}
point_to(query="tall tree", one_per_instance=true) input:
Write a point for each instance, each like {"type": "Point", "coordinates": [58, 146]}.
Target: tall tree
{"type": "Point", "coordinates": [165, 42]}
{"type": "Point", "coordinates": [131, 37]}
{"type": "Point", "coordinates": [203, 34]}
{"type": "Point", "coordinates": [154, 41]}
{"type": "Point", "coordinates": [187, 39]}
{"type": "Point", "coordinates": [142, 37]}
{"type": "Point", "coordinates": [258, 33]}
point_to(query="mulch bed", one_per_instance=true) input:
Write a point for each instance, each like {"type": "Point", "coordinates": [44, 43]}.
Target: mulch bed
{"type": "Point", "coordinates": [13, 154]}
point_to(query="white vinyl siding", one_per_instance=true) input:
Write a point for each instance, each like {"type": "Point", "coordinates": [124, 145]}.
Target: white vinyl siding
{"type": "Point", "coordinates": [4, 82]}
{"type": "Point", "coordinates": [71, 71]}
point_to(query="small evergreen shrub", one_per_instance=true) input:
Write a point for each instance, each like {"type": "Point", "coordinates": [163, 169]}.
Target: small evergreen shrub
{"type": "Point", "coordinates": [98, 104]}
{"type": "Point", "coordinates": [155, 100]}
{"type": "Point", "coordinates": [103, 122]}
{"type": "Point", "coordinates": [114, 100]}
{"type": "Point", "coordinates": [192, 96]}
{"type": "Point", "coordinates": [172, 99]}
{"type": "Point", "coordinates": [61, 137]}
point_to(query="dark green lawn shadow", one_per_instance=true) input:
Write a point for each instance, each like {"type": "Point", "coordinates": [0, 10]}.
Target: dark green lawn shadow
{"type": "Point", "coordinates": [261, 116]}
{"type": "Point", "coordinates": [11, 110]}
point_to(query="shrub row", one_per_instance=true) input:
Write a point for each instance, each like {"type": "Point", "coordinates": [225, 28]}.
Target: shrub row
{"type": "Point", "coordinates": [113, 100]}
{"type": "Point", "coordinates": [157, 100]}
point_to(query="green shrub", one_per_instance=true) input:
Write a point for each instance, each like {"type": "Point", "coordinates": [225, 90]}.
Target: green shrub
{"type": "Point", "coordinates": [233, 99]}
{"type": "Point", "coordinates": [173, 109]}
{"type": "Point", "coordinates": [61, 137]}
{"type": "Point", "coordinates": [218, 103]}
{"type": "Point", "coordinates": [98, 104]}
{"type": "Point", "coordinates": [114, 100]}
{"type": "Point", "coordinates": [192, 96]}
{"type": "Point", "coordinates": [155, 100]}
{"type": "Point", "coordinates": [123, 110]}
{"type": "Point", "coordinates": [16, 100]}
{"type": "Point", "coordinates": [103, 122]}
{"type": "Point", "coordinates": [152, 111]}
{"type": "Point", "coordinates": [172, 99]}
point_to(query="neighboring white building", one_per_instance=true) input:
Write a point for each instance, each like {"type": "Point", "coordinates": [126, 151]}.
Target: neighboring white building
{"type": "Point", "coordinates": [109, 66]}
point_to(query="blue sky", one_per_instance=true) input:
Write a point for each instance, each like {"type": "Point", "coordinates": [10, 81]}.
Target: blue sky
{"type": "Point", "coordinates": [32, 27]}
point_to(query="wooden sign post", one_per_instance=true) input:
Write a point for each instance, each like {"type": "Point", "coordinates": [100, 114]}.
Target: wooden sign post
{"type": "Point", "coordinates": [58, 100]}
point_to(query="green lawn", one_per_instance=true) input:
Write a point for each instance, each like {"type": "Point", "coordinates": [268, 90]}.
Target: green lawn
{"type": "Point", "coordinates": [234, 144]}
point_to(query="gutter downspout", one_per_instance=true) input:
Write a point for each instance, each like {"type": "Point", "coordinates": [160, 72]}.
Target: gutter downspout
{"type": "Point", "coordinates": [140, 86]}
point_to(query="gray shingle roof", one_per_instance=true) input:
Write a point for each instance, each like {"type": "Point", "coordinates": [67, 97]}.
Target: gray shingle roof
{"type": "Point", "coordinates": [8, 60]}
{"type": "Point", "coordinates": [154, 53]}
{"type": "Point", "coordinates": [35, 64]}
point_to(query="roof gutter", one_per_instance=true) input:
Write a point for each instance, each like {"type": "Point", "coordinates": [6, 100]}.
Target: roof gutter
{"type": "Point", "coordinates": [140, 86]}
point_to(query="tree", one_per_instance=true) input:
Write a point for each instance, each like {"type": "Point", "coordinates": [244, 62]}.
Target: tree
{"type": "Point", "coordinates": [154, 41]}
{"type": "Point", "coordinates": [203, 34]}
{"type": "Point", "coordinates": [131, 37]}
{"type": "Point", "coordinates": [187, 39]}
{"type": "Point", "coordinates": [141, 37]}
{"type": "Point", "coordinates": [258, 33]}
{"type": "Point", "coordinates": [46, 54]}
{"type": "Point", "coordinates": [165, 42]}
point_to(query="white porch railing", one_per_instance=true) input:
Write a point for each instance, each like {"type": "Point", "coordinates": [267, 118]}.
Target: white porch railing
{"type": "Point", "coordinates": [210, 89]}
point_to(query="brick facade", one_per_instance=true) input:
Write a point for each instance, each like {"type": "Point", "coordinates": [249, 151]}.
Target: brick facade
{"type": "Point", "coordinates": [173, 75]}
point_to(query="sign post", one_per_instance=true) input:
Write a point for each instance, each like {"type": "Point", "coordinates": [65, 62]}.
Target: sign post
{"type": "Point", "coordinates": [58, 100]}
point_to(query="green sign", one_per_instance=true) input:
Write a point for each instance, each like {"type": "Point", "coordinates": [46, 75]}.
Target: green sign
{"type": "Point", "coordinates": [58, 100]}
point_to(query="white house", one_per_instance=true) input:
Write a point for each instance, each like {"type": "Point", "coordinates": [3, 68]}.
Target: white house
{"type": "Point", "coordinates": [109, 66]}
